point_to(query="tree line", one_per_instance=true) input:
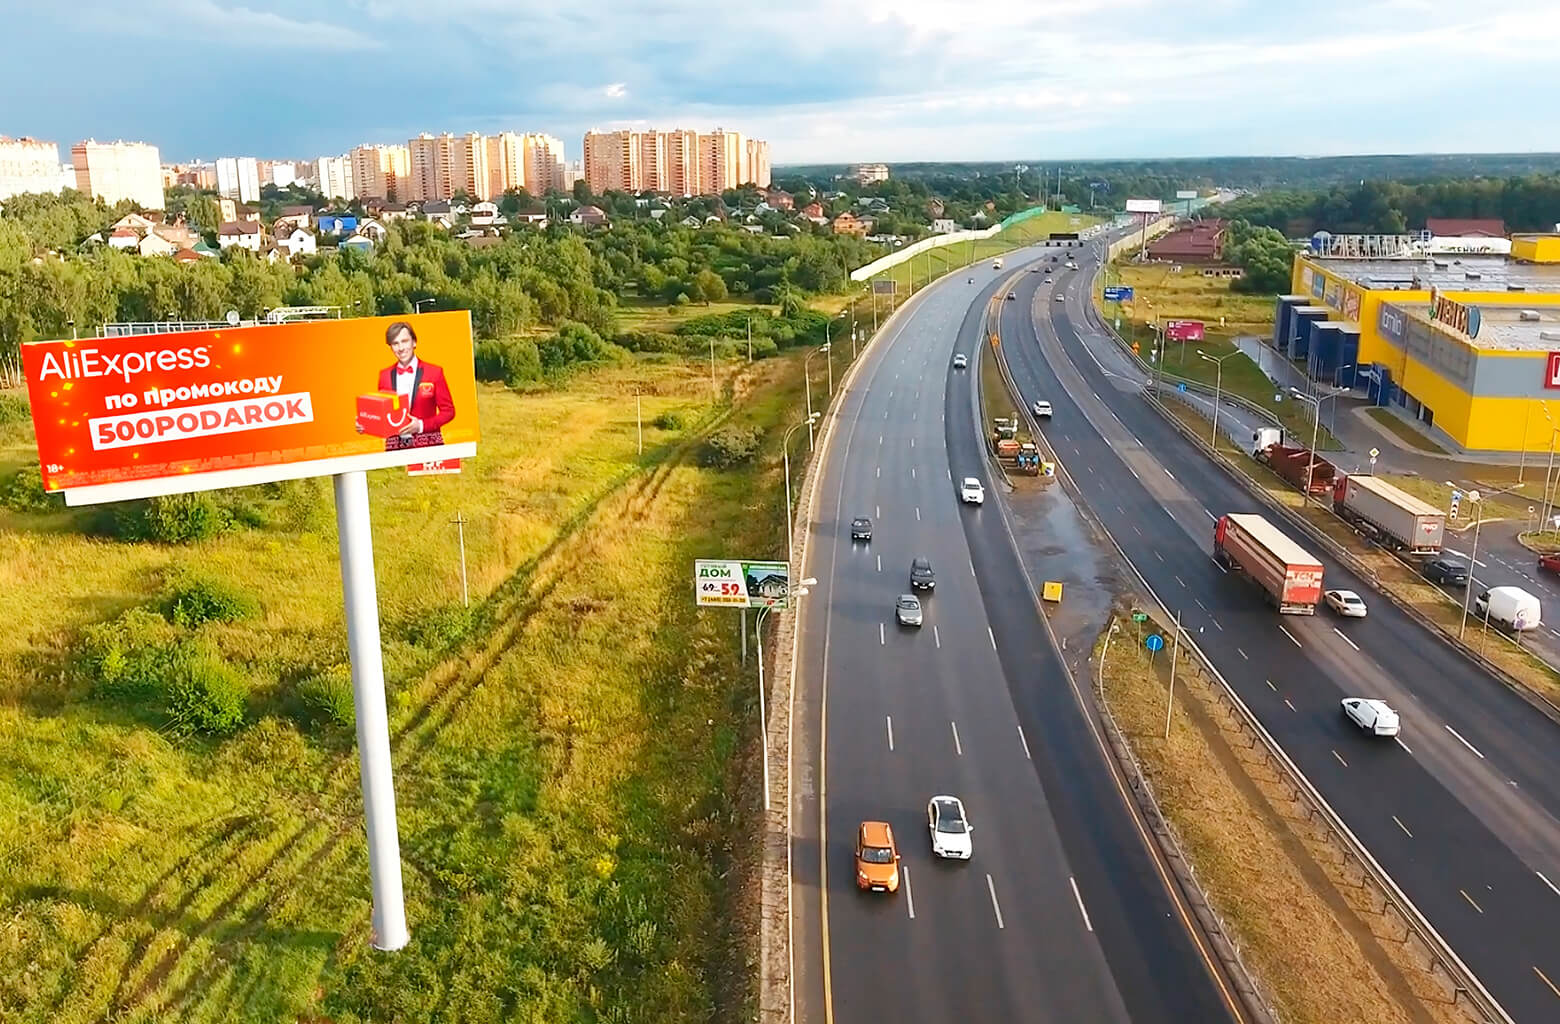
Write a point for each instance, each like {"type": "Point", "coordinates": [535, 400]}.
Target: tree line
{"type": "Point", "coordinates": [1529, 202]}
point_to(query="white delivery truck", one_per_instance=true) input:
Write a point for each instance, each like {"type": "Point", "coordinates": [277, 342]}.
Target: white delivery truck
{"type": "Point", "coordinates": [1508, 607]}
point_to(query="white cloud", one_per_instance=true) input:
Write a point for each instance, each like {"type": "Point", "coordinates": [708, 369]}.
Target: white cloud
{"type": "Point", "coordinates": [230, 22]}
{"type": "Point", "coordinates": [615, 91]}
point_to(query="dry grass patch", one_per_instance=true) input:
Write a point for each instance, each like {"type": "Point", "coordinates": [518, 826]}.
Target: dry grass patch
{"type": "Point", "coordinates": [1309, 933]}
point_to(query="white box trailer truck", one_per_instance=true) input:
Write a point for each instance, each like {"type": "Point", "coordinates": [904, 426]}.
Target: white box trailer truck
{"type": "Point", "coordinates": [1391, 515]}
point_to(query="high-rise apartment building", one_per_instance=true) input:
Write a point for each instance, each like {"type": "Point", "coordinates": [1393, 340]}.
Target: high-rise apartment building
{"type": "Point", "coordinates": [280, 173]}
{"type": "Point", "coordinates": [653, 175]}
{"type": "Point", "coordinates": [505, 163]}
{"type": "Point", "coordinates": [433, 165]}
{"type": "Point", "coordinates": [28, 165]}
{"type": "Point", "coordinates": [545, 170]}
{"type": "Point", "coordinates": [612, 161]}
{"type": "Point", "coordinates": [469, 170]}
{"type": "Point", "coordinates": [381, 172]}
{"type": "Point", "coordinates": [722, 159]}
{"type": "Point", "coordinates": [757, 163]}
{"type": "Point", "coordinates": [334, 174]}
{"type": "Point", "coordinates": [238, 177]}
{"type": "Point", "coordinates": [113, 171]}
{"type": "Point", "coordinates": [682, 163]}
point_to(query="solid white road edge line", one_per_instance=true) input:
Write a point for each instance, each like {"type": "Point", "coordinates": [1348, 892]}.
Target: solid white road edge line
{"type": "Point", "coordinates": [1025, 742]}
{"type": "Point", "coordinates": [1404, 827]}
{"type": "Point", "coordinates": [904, 873]}
{"type": "Point", "coordinates": [1547, 882]}
{"type": "Point", "coordinates": [991, 887]}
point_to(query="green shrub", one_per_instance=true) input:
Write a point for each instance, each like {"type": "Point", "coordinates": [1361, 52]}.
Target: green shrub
{"type": "Point", "coordinates": [207, 696]}
{"type": "Point", "coordinates": [14, 409]}
{"type": "Point", "coordinates": [731, 446]}
{"type": "Point", "coordinates": [328, 696]}
{"type": "Point", "coordinates": [765, 348]}
{"type": "Point", "coordinates": [512, 361]}
{"type": "Point", "coordinates": [437, 629]}
{"type": "Point", "coordinates": [301, 506]}
{"type": "Point", "coordinates": [671, 419]}
{"type": "Point", "coordinates": [653, 341]}
{"type": "Point", "coordinates": [130, 656]}
{"type": "Point", "coordinates": [192, 600]}
{"type": "Point", "coordinates": [170, 519]}
{"type": "Point", "coordinates": [575, 343]}
{"type": "Point", "coordinates": [24, 491]}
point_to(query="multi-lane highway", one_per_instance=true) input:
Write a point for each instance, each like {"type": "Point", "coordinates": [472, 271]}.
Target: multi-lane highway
{"type": "Point", "coordinates": [1064, 914]}
{"type": "Point", "coordinates": [1463, 810]}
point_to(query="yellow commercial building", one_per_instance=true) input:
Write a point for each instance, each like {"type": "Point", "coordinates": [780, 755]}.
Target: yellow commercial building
{"type": "Point", "coordinates": [1466, 345]}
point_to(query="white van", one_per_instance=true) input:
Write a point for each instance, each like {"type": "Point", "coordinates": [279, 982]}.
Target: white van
{"type": "Point", "coordinates": [996, 264]}
{"type": "Point", "coordinates": [1509, 607]}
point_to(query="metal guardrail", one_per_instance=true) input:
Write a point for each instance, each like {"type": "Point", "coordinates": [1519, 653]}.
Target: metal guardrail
{"type": "Point", "coordinates": [1467, 991]}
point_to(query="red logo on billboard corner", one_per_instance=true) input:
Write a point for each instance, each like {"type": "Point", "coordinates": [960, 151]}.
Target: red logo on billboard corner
{"type": "Point", "coordinates": [1552, 371]}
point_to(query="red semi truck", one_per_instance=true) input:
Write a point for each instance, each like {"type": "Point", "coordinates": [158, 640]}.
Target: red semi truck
{"type": "Point", "coordinates": [1289, 575]}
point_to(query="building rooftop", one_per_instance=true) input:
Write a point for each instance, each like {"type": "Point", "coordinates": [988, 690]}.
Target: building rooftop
{"type": "Point", "coordinates": [1510, 328]}
{"type": "Point", "coordinates": [1447, 272]}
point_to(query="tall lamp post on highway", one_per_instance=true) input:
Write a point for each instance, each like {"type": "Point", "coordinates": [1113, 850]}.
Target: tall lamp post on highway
{"type": "Point", "coordinates": [1218, 386]}
{"type": "Point", "coordinates": [1114, 629]}
{"type": "Point", "coordinates": [785, 447]}
{"type": "Point", "coordinates": [1473, 559]}
{"type": "Point", "coordinates": [1315, 402]}
{"type": "Point", "coordinates": [418, 305]}
{"type": "Point", "coordinates": [763, 711]}
{"type": "Point", "coordinates": [807, 376]}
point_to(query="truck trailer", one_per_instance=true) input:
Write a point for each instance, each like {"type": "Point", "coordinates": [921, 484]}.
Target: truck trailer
{"type": "Point", "coordinates": [1295, 464]}
{"type": "Point", "coordinates": [1289, 575]}
{"type": "Point", "coordinates": [1391, 516]}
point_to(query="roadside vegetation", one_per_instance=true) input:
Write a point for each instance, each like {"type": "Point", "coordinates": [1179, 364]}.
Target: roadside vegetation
{"type": "Point", "coordinates": [1314, 938]}
{"type": "Point", "coordinates": [571, 752]}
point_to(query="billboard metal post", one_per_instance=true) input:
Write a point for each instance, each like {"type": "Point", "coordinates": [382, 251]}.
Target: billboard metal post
{"type": "Point", "coordinates": [459, 522]}
{"type": "Point", "coordinates": [373, 721]}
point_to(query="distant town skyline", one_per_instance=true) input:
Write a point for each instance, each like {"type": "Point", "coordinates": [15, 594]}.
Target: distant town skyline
{"type": "Point", "coordinates": [901, 81]}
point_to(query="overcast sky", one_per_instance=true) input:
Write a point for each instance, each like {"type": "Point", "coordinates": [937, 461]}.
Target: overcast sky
{"type": "Point", "coordinates": [823, 80]}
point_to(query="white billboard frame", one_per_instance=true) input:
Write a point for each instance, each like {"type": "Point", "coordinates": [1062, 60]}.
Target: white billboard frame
{"type": "Point", "coordinates": [1144, 206]}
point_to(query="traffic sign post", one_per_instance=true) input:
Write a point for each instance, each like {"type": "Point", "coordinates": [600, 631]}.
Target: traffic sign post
{"type": "Point", "coordinates": [1374, 453]}
{"type": "Point", "coordinates": [1155, 643]}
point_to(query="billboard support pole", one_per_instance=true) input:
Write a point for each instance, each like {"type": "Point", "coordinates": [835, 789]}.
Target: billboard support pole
{"type": "Point", "coordinates": [743, 631]}
{"type": "Point", "coordinates": [373, 722]}
{"type": "Point", "coordinates": [763, 717]}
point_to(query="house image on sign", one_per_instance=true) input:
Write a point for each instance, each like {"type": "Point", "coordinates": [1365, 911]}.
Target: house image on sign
{"type": "Point", "coordinates": [770, 586]}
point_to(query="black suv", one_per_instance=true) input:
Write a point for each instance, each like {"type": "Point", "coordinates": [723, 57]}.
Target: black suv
{"type": "Point", "coordinates": [1446, 571]}
{"type": "Point", "coordinates": [921, 575]}
{"type": "Point", "coordinates": [861, 528]}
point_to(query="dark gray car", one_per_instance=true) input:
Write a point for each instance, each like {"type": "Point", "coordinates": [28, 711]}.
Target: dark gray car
{"type": "Point", "coordinates": [921, 575]}
{"type": "Point", "coordinates": [1446, 571]}
{"type": "Point", "coordinates": [861, 528]}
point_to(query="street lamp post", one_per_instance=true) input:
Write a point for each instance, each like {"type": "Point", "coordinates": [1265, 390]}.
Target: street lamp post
{"type": "Point", "coordinates": [418, 305]}
{"type": "Point", "coordinates": [1473, 559]}
{"type": "Point", "coordinates": [1114, 629]}
{"type": "Point", "coordinates": [807, 377]}
{"type": "Point", "coordinates": [1316, 426]}
{"type": "Point", "coordinates": [763, 710]}
{"type": "Point", "coordinates": [785, 448]}
{"type": "Point", "coordinates": [1218, 387]}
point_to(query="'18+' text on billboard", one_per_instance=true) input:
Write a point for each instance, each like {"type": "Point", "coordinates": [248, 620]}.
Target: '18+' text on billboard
{"type": "Point", "coordinates": [165, 413]}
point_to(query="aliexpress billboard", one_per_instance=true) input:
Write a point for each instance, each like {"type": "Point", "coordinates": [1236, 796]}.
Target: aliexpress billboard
{"type": "Point", "coordinates": [164, 413]}
{"type": "Point", "coordinates": [1184, 330]}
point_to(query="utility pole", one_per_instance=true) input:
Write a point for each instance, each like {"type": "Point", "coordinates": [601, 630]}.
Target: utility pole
{"type": "Point", "coordinates": [750, 359]}
{"type": "Point", "coordinates": [459, 522]}
{"type": "Point", "coordinates": [1175, 649]}
{"type": "Point", "coordinates": [639, 421]}
{"type": "Point", "coordinates": [713, 386]}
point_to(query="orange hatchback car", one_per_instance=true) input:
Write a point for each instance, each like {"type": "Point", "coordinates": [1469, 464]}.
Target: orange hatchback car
{"type": "Point", "coordinates": [877, 857]}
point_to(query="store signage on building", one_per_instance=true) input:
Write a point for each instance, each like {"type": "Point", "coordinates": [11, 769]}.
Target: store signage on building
{"type": "Point", "coordinates": [1318, 285]}
{"type": "Point", "coordinates": [1305, 278]}
{"type": "Point", "coordinates": [1351, 304]}
{"type": "Point", "coordinates": [1333, 295]}
{"type": "Point", "coordinates": [1552, 371]}
{"type": "Point", "coordinates": [1391, 322]}
{"type": "Point", "coordinates": [1459, 316]}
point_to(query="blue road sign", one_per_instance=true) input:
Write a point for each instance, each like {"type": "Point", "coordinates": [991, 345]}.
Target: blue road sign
{"type": "Point", "coordinates": [1118, 292]}
{"type": "Point", "coordinates": [1180, 385]}
{"type": "Point", "coordinates": [1154, 642]}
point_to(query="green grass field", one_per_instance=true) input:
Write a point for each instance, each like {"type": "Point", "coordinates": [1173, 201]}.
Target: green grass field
{"type": "Point", "coordinates": [634, 315]}
{"type": "Point", "coordinates": [569, 779]}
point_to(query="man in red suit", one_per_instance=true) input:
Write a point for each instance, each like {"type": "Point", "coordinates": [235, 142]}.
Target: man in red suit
{"type": "Point", "coordinates": [421, 386]}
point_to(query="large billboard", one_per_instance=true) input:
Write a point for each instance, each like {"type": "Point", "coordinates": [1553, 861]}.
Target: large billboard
{"type": "Point", "coordinates": [1186, 193]}
{"type": "Point", "coordinates": [724, 584]}
{"type": "Point", "coordinates": [1184, 330]}
{"type": "Point", "coordinates": [1144, 206]}
{"type": "Point", "coordinates": [165, 413]}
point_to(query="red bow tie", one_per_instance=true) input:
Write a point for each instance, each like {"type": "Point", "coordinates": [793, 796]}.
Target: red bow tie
{"type": "Point", "coordinates": [403, 369]}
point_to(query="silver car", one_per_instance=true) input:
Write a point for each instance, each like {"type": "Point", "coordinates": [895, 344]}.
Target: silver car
{"type": "Point", "coordinates": [908, 610]}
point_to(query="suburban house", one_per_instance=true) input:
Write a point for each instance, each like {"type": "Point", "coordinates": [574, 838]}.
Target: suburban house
{"type": "Point", "coordinates": [484, 213]}
{"type": "Point", "coordinates": [658, 213]}
{"type": "Point", "coordinates": [187, 256]}
{"type": "Point", "coordinates": [780, 199]}
{"type": "Point", "coordinates": [295, 216]}
{"type": "Point", "coordinates": [135, 222]}
{"type": "Point", "coordinates": [372, 230]}
{"type": "Point", "coordinates": [297, 242]}
{"type": "Point", "coordinates": [436, 208]}
{"type": "Point", "coordinates": [1200, 242]}
{"type": "Point", "coordinates": [358, 242]}
{"type": "Point", "coordinates": [1466, 227]}
{"type": "Point", "coordinates": [124, 238]}
{"type": "Point", "coordinates": [532, 216]}
{"type": "Point", "coordinates": [246, 234]}
{"type": "Point", "coordinates": [390, 211]}
{"type": "Point", "coordinates": [155, 244]}
{"type": "Point", "coordinates": [589, 216]}
{"type": "Point", "coordinates": [813, 210]}
{"type": "Point", "coordinates": [944, 225]}
{"type": "Point", "coordinates": [337, 224]}
{"type": "Point", "coordinates": [690, 222]}
{"type": "Point", "coordinates": [934, 208]}
{"type": "Point", "coordinates": [180, 234]}
{"type": "Point", "coordinates": [848, 223]}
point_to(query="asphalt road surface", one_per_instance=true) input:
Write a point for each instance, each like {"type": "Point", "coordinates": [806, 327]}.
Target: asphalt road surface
{"type": "Point", "coordinates": [1063, 914]}
{"type": "Point", "coordinates": [1463, 809]}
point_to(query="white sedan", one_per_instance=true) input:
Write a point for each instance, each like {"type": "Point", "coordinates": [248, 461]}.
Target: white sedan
{"type": "Point", "coordinates": [971, 492]}
{"type": "Point", "coordinates": [1374, 716]}
{"type": "Point", "coordinates": [1042, 408]}
{"type": "Point", "coordinates": [1346, 603]}
{"type": "Point", "coordinates": [1060, 297]}
{"type": "Point", "coordinates": [949, 827]}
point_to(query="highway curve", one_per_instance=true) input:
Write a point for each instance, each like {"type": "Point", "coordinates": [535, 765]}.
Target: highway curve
{"type": "Point", "coordinates": [1063, 915]}
{"type": "Point", "coordinates": [1463, 812]}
